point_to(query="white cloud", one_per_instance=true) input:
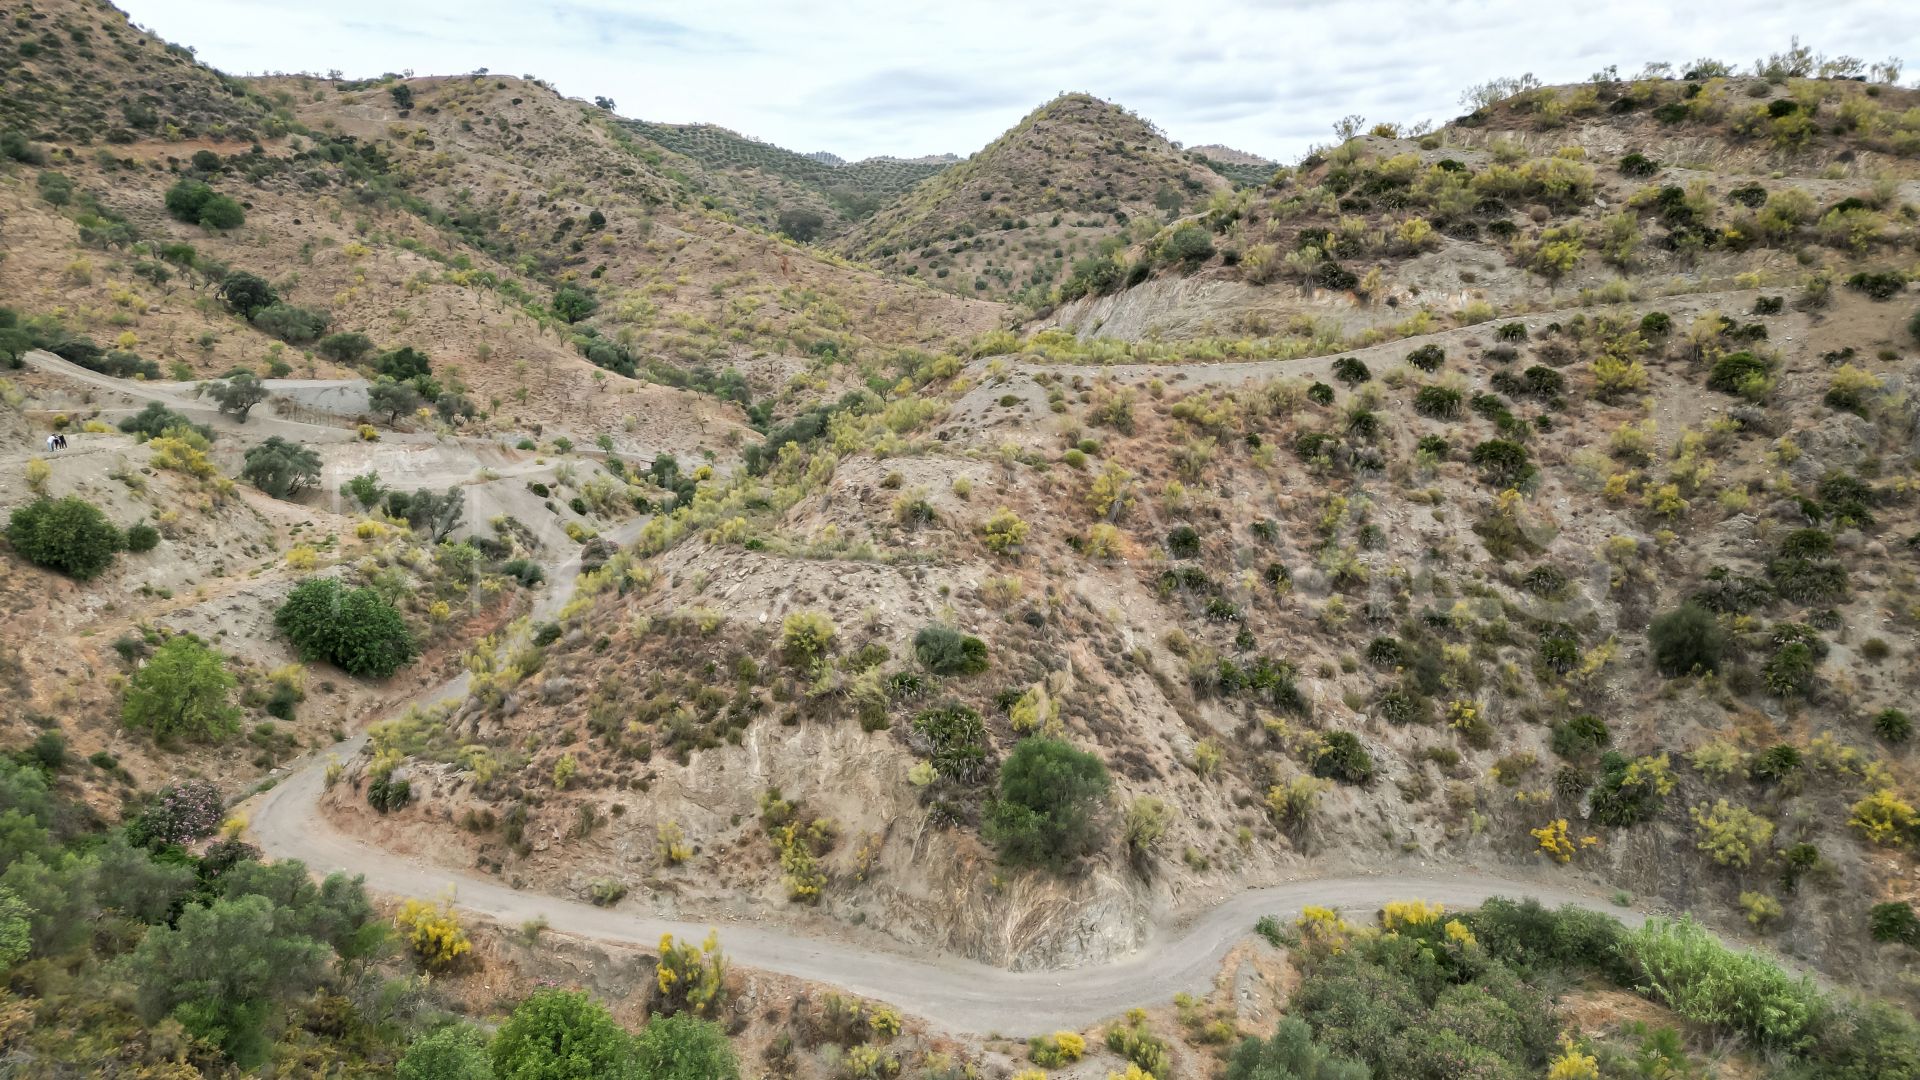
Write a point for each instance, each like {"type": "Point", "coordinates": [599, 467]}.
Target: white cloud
{"type": "Point", "coordinates": [862, 77]}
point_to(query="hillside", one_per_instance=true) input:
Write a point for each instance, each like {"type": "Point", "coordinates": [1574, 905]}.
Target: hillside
{"type": "Point", "coordinates": [1074, 177]}
{"type": "Point", "coordinates": [1099, 610]}
{"type": "Point", "coordinates": [767, 181]}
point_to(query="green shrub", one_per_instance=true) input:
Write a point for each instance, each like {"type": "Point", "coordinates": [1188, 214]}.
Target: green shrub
{"type": "Point", "coordinates": [1342, 757]}
{"type": "Point", "coordinates": [1049, 808]}
{"type": "Point", "coordinates": [1878, 285]}
{"type": "Point", "coordinates": [1894, 921]}
{"type": "Point", "coordinates": [354, 629]}
{"type": "Point", "coordinates": [1685, 640]}
{"type": "Point", "coordinates": [1428, 357]}
{"type": "Point", "coordinates": [561, 1035]}
{"type": "Point", "coordinates": [69, 535]}
{"type": "Point", "coordinates": [1189, 243]}
{"type": "Point", "coordinates": [294, 325]}
{"type": "Point", "coordinates": [345, 347]}
{"type": "Point", "coordinates": [142, 538]}
{"type": "Point", "coordinates": [156, 420]}
{"type": "Point", "coordinates": [1893, 725]}
{"type": "Point", "coordinates": [1351, 370]}
{"type": "Point", "coordinates": [1503, 463]}
{"type": "Point", "coordinates": [280, 468]}
{"type": "Point", "coordinates": [944, 650]}
{"type": "Point", "coordinates": [1736, 373]}
{"type": "Point", "coordinates": [1581, 736]}
{"type": "Point", "coordinates": [454, 1052]}
{"type": "Point", "coordinates": [1686, 969]}
{"type": "Point", "coordinates": [684, 1047]}
{"type": "Point", "coordinates": [197, 204]}
{"type": "Point", "coordinates": [183, 690]}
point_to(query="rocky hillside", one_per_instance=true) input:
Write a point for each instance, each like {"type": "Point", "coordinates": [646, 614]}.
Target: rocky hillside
{"type": "Point", "coordinates": [1073, 178]}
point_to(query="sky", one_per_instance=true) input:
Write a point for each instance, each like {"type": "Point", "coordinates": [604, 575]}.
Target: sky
{"type": "Point", "coordinates": [868, 77]}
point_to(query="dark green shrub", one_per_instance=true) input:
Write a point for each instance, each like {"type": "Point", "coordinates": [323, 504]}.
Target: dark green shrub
{"type": "Point", "coordinates": [1503, 463]}
{"type": "Point", "coordinates": [142, 538]}
{"type": "Point", "coordinates": [69, 535]}
{"type": "Point", "coordinates": [1438, 402]}
{"type": "Point", "coordinates": [1342, 757]}
{"type": "Point", "coordinates": [1775, 763]}
{"type": "Point", "coordinates": [955, 741]}
{"type": "Point", "coordinates": [1893, 725]}
{"type": "Point", "coordinates": [1878, 285]}
{"type": "Point", "coordinates": [1320, 394]}
{"type": "Point", "coordinates": [345, 347]}
{"type": "Point", "coordinates": [1656, 324]}
{"type": "Point", "coordinates": [156, 420]}
{"type": "Point", "coordinates": [1618, 799]}
{"type": "Point", "coordinates": [1351, 370]}
{"type": "Point", "coordinates": [1183, 542]}
{"type": "Point", "coordinates": [290, 324]}
{"type": "Point", "coordinates": [1580, 736]}
{"type": "Point", "coordinates": [1638, 164]}
{"type": "Point", "coordinates": [1427, 357]}
{"type": "Point", "coordinates": [945, 651]}
{"type": "Point", "coordinates": [1685, 640]}
{"type": "Point", "coordinates": [1048, 811]}
{"type": "Point", "coordinates": [1894, 921]}
{"type": "Point", "coordinates": [246, 293]}
{"type": "Point", "coordinates": [403, 364]}
{"type": "Point", "coordinates": [354, 629]}
{"type": "Point", "coordinates": [1189, 243]}
{"type": "Point", "coordinates": [197, 204]}
{"type": "Point", "coordinates": [1513, 331]}
{"type": "Point", "coordinates": [524, 571]}
{"type": "Point", "coordinates": [1734, 373]}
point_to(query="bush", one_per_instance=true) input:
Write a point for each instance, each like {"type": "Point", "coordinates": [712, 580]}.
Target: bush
{"type": "Point", "coordinates": [345, 347]}
{"type": "Point", "coordinates": [1878, 285]}
{"type": "Point", "coordinates": [156, 420]}
{"type": "Point", "coordinates": [1428, 357]}
{"type": "Point", "coordinates": [354, 629]}
{"type": "Point", "coordinates": [944, 650]}
{"type": "Point", "coordinates": [454, 1052]}
{"type": "Point", "coordinates": [1291, 1054]}
{"type": "Point", "coordinates": [1342, 757]}
{"type": "Point", "coordinates": [1894, 921]}
{"type": "Point", "coordinates": [143, 539]}
{"type": "Point", "coordinates": [1687, 970]}
{"type": "Point", "coordinates": [1502, 463]}
{"type": "Point", "coordinates": [434, 934]}
{"type": "Point", "coordinates": [403, 364]}
{"type": "Point", "coordinates": [294, 325]}
{"type": "Point", "coordinates": [179, 815]}
{"type": "Point", "coordinates": [1893, 725]}
{"type": "Point", "coordinates": [197, 204]}
{"type": "Point", "coordinates": [280, 468]}
{"type": "Point", "coordinates": [1048, 812]}
{"type": "Point", "coordinates": [684, 1047]}
{"type": "Point", "coordinates": [237, 394]}
{"type": "Point", "coordinates": [1581, 736]}
{"type": "Point", "coordinates": [560, 1035]}
{"type": "Point", "coordinates": [805, 636]}
{"type": "Point", "coordinates": [1351, 370]}
{"type": "Point", "coordinates": [1738, 372]}
{"type": "Point", "coordinates": [1438, 402]}
{"type": "Point", "coordinates": [1189, 243]}
{"type": "Point", "coordinates": [1685, 640]}
{"type": "Point", "coordinates": [69, 535]}
{"type": "Point", "coordinates": [183, 690]}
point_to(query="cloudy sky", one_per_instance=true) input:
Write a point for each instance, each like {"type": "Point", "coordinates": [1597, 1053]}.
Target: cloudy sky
{"type": "Point", "coordinates": [861, 77]}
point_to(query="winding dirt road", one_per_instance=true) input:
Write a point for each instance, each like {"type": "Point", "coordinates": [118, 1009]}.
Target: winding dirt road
{"type": "Point", "coordinates": [954, 994]}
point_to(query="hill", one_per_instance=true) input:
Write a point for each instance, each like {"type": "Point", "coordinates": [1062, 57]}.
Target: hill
{"type": "Point", "coordinates": [1075, 176]}
{"type": "Point", "coordinates": [770, 180]}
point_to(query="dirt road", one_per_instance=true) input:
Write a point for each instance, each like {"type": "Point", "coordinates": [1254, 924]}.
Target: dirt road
{"type": "Point", "coordinates": [954, 994]}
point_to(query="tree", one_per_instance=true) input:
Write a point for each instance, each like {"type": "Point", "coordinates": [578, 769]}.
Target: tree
{"type": "Point", "coordinates": [802, 225]}
{"type": "Point", "coordinates": [156, 420]}
{"type": "Point", "coordinates": [403, 364]}
{"type": "Point", "coordinates": [1290, 1055]}
{"type": "Point", "coordinates": [182, 690]}
{"type": "Point", "coordinates": [365, 489]}
{"type": "Point", "coordinates": [561, 1035]}
{"type": "Point", "coordinates": [345, 347]}
{"type": "Point", "coordinates": [395, 399]}
{"type": "Point", "coordinates": [684, 1047]}
{"type": "Point", "coordinates": [1048, 809]}
{"type": "Point", "coordinates": [15, 929]}
{"type": "Point", "coordinates": [402, 96]}
{"type": "Point", "coordinates": [435, 514]}
{"type": "Point", "coordinates": [354, 629]}
{"type": "Point", "coordinates": [221, 969]}
{"type": "Point", "coordinates": [280, 468]}
{"type": "Point", "coordinates": [295, 325]}
{"type": "Point", "coordinates": [455, 1052]}
{"type": "Point", "coordinates": [246, 293]}
{"type": "Point", "coordinates": [197, 204]}
{"type": "Point", "coordinates": [1685, 640]}
{"type": "Point", "coordinates": [69, 535]}
{"type": "Point", "coordinates": [237, 394]}
{"type": "Point", "coordinates": [572, 304]}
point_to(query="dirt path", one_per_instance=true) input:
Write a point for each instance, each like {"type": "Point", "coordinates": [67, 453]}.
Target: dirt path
{"type": "Point", "coordinates": [954, 994]}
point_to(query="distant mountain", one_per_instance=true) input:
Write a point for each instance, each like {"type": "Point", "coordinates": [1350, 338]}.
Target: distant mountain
{"type": "Point", "coordinates": [1012, 217]}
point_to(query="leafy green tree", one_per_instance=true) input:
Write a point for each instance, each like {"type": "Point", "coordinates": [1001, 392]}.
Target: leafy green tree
{"type": "Point", "coordinates": [573, 304]}
{"type": "Point", "coordinates": [395, 399]}
{"type": "Point", "coordinates": [403, 364]}
{"type": "Point", "coordinates": [562, 1035]}
{"type": "Point", "coordinates": [125, 878]}
{"type": "Point", "coordinates": [345, 347]}
{"type": "Point", "coordinates": [295, 325]}
{"type": "Point", "coordinates": [70, 535]}
{"type": "Point", "coordinates": [195, 203]}
{"type": "Point", "coordinates": [365, 489]}
{"type": "Point", "coordinates": [1686, 639]}
{"type": "Point", "coordinates": [354, 629]}
{"type": "Point", "coordinates": [183, 690]}
{"type": "Point", "coordinates": [237, 394]}
{"type": "Point", "coordinates": [246, 293]}
{"type": "Point", "coordinates": [280, 468]}
{"type": "Point", "coordinates": [156, 420]}
{"type": "Point", "coordinates": [802, 225]}
{"type": "Point", "coordinates": [1048, 812]}
{"type": "Point", "coordinates": [1291, 1055]}
{"type": "Point", "coordinates": [335, 910]}
{"type": "Point", "coordinates": [455, 1052]}
{"type": "Point", "coordinates": [221, 970]}
{"type": "Point", "coordinates": [684, 1047]}
{"type": "Point", "coordinates": [434, 513]}
{"type": "Point", "coordinates": [16, 928]}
